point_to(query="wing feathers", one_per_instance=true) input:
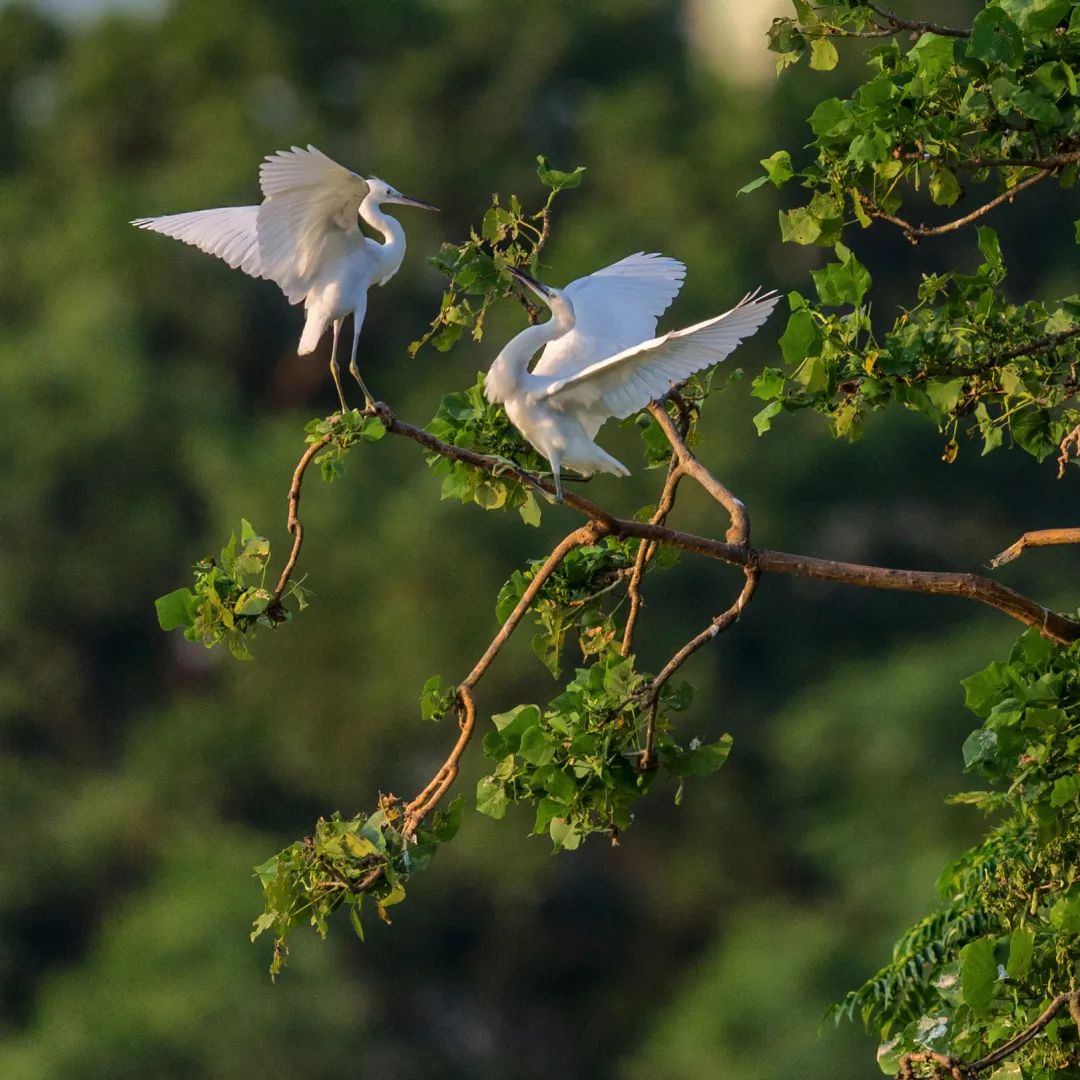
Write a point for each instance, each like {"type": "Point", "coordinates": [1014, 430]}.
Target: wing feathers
{"type": "Point", "coordinates": [614, 308]}
{"type": "Point", "coordinates": [625, 383]}
{"type": "Point", "coordinates": [228, 232]}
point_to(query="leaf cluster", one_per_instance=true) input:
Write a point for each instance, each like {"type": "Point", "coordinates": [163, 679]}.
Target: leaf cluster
{"type": "Point", "coordinates": [577, 761]}
{"type": "Point", "coordinates": [344, 861]}
{"type": "Point", "coordinates": [1003, 944]}
{"type": "Point", "coordinates": [509, 236]}
{"type": "Point", "coordinates": [229, 599]}
{"type": "Point", "coordinates": [994, 106]}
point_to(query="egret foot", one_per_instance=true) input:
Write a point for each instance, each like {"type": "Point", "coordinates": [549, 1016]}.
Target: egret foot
{"type": "Point", "coordinates": [369, 401]}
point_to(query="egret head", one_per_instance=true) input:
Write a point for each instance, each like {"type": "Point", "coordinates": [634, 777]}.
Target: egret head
{"type": "Point", "coordinates": [381, 192]}
{"type": "Point", "coordinates": [562, 310]}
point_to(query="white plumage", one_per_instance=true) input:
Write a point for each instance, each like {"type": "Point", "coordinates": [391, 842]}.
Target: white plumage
{"type": "Point", "coordinates": [305, 237]}
{"type": "Point", "coordinates": [596, 365]}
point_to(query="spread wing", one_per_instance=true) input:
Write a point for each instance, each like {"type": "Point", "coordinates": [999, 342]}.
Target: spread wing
{"type": "Point", "coordinates": [616, 307]}
{"type": "Point", "coordinates": [310, 200]}
{"type": "Point", "coordinates": [623, 384]}
{"type": "Point", "coordinates": [228, 232]}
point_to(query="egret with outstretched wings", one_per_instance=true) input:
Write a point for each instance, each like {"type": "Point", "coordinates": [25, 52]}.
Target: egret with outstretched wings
{"type": "Point", "coordinates": [601, 358]}
{"type": "Point", "coordinates": [305, 236]}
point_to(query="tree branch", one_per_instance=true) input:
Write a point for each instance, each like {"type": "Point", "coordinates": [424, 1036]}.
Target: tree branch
{"type": "Point", "coordinates": [294, 525]}
{"type": "Point", "coordinates": [916, 27]}
{"type": "Point", "coordinates": [1038, 538]}
{"type": "Point", "coordinates": [429, 798]}
{"type": "Point", "coordinates": [1029, 1033]}
{"type": "Point", "coordinates": [915, 233]}
{"type": "Point", "coordinates": [1056, 627]}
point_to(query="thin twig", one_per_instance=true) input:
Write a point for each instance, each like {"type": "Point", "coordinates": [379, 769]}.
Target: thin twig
{"type": "Point", "coordinates": [1037, 538]}
{"type": "Point", "coordinates": [1069, 447]}
{"type": "Point", "coordinates": [428, 799]}
{"type": "Point", "coordinates": [1006, 1049]}
{"type": "Point", "coordinates": [739, 532]}
{"type": "Point", "coordinates": [915, 233]}
{"type": "Point", "coordinates": [940, 1061]}
{"type": "Point", "coordinates": [646, 549]}
{"type": "Point", "coordinates": [718, 625]}
{"type": "Point", "coordinates": [295, 526]}
{"type": "Point", "coordinates": [916, 27]}
{"type": "Point", "coordinates": [942, 583]}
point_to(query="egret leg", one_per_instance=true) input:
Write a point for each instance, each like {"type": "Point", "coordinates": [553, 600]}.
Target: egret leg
{"type": "Point", "coordinates": [369, 401]}
{"type": "Point", "coordinates": [335, 370]}
{"type": "Point", "coordinates": [558, 479]}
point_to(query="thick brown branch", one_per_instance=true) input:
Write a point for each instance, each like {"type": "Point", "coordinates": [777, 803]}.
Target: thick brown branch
{"type": "Point", "coordinates": [942, 583]}
{"type": "Point", "coordinates": [915, 233]}
{"type": "Point", "coordinates": [587, 534]}
{"type": "Point", "coordinates": [294, 524]}
{"type": "Point", "coordinates": [1038, 538]}
{"type": "Point", "coordinates": [429, 798]}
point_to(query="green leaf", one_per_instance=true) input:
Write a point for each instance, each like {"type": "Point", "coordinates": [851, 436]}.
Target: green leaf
{"type": "Point", "coordinates": [517, 721]}
{"type": "Point", "coordinates": [706, 759]}
{"type": "Point", "coordinates": [1065, 790]}
{"type": "Point", "coordinates": [763, 420]}
{"type": "Point", "coordinates": [995, 38]}
{"type": "Point", "coordinates": [934, 55]}
{"type": "Point", "coordinates": [530, 510]}
{"type": "Point", "coordinates": [563, 834]}
{"type": "Point", "coordinates": [1036, 16]}
{"type": "Point", "coordinates": [830, 119]}
{"type": "Point", "coordinates": [979, 746]}
{"type": "Point", "coordinates": [944, 187]}
{"type": "Point", "coordinates": [555, 178]}
{"type": "Point", "coordinates": [753, 185]}
{"type": "Point", "coordinates": [978, 974]}
{"type": "Point", "coordinates": [536, 747]}
{"type": "Point", "coordinates": [1021, 948]}
{"type": "Point", "coordinates": [798, 336]}
{"type": "Point", "coordinates": [176, 609]}
{"type": "Point", "coordinates": [823, 55]}
{"type": "Point", "coordinates": [491, 798]}
{"type": "Point", "coordinates": [252, 602]}
{"type": "Point", "coordinates": [778, 167]}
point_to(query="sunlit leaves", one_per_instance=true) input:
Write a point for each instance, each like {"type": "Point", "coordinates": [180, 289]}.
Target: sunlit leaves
{"type": "Point", "coordinates": [467, 419]}
{"type": "Point", "coordinates": [509, 236]}
{"type": "Point", "coordinates": [229, 598]}
{"type": "Point", "coordinates": [577, 761]}
{"type": "Point", "coordinates": [344, 862]}
{"type": "Point", "coordinates": [934, 109]}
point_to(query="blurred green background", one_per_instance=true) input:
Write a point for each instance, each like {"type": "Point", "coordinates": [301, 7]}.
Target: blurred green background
{"type": "Point", "coordinates": [151, 397]}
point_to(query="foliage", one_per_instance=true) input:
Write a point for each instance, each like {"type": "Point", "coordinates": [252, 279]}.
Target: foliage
{"type": "Point", "coordinates": [964, 116]}
{"type": "Point", "coordinates": [230, 599]}
{"type": "Point", "coordinates": [344, 861]}
{"type": "Point", "coordinates": [509, 236]}
{"type": "Point", "coordinates": [986, 965]}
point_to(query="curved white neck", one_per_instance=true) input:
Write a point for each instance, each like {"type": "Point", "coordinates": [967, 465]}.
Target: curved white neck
{"type": "Point", "coordinates": [510, 369]}
{"type": "Point", "coordinates": [390, 228]}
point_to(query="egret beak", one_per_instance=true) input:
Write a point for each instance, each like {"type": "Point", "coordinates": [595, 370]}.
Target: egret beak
{"type": "Point", "coordinates": [530, 283]}
{"type": "Point", "coordinates": [404, 200]}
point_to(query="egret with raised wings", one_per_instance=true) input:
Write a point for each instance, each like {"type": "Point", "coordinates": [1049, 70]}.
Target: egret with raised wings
{"type": "Point", "coordinates": [601, 358]}
{"type": "Point", "coordinates": [305, 236]}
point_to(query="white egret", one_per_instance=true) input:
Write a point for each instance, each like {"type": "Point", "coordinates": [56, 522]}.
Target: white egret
{"type": "Point", "coordinates": [601, 359]}
{"type": "Point", "coordinates": [305, 237]}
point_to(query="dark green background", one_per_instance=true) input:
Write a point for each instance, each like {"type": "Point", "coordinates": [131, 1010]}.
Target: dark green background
{"type": "Point", "coordinates": [150, 397]}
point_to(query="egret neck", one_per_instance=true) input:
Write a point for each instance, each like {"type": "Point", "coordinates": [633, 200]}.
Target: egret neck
{"type": "Point", "coordinates": [392, 249]}
{"type": "Point", "coordinates": [510, 370]}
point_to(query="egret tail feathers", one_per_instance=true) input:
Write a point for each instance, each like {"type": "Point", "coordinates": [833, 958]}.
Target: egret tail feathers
{"type": "Point", "coordinates": [314, 329]}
